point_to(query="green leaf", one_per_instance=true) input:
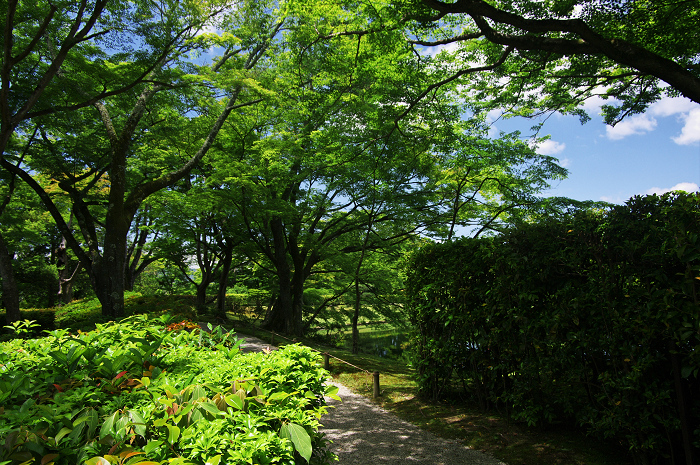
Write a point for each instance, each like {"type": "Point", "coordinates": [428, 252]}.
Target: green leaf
{"type": "Point", "coordinates": [332, 392]}
{"type": "Point", "coordinates": [152, 445]}
{"type": "Point", "coordinates": [278, 396]}
{"type": "Point", "coordinates": [97, 461]}
{"type": "Point", "coordinates": [139, 423]}
{"type": "Point", "coordinates": [299, 437]}
{"type": "Point", "coordinates": [235, 402]}
{"type": "Point", "coordinates": [173, 433]}
{"type": "Point", "coordinates": [198, 392]}
{"type": "Point", "coordinates": [92, 421]}
{"type": "Point", "coordinates": [108, 425]}
{"type": "Point", "coordinates": [211, 407]}
{"type": "Point", "coordinates": [62, 433]}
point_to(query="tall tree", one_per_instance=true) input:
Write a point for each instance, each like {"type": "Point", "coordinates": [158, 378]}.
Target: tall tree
{"type": "Point", "coordinates": [348, 145]}
{"type": "Point", "coordinates": [136, 149]}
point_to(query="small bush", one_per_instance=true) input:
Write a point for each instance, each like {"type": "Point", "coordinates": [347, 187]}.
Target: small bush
{"type": "Point", "coordinates": [137, 392]}
{"type": "Point", "coordinates": [44, 317]}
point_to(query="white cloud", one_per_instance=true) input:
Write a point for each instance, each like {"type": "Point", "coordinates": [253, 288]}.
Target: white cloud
{"type": "Point", "coordinates": [690, 134]}
{"type": "Point", "coordinates": [617, 200]}
{"type": "Point", "coordinates": [687, 112]}
{"type": "Point", "coordinates": [683, 186]}
{"type": "Point", "coordinates": [565, 163]}
{"type": "Point", "coordinates": [594, 104]}
{"type": "Point", "coordinates": [550, 147]}
{"type": "Point", "coordinates": [668, 106]}
{"type": "Point", "coordinates": [637, 124]}
{"type": "Point", "coordinates": [435, 49]}
{"type": "Point", "coordinates": [493, 131]}
{"type": "Point", "coordinates": [494, 115]}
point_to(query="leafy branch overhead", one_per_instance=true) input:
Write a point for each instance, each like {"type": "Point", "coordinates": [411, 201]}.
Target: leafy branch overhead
{"type": "Point", "coordinates": [633, 51]}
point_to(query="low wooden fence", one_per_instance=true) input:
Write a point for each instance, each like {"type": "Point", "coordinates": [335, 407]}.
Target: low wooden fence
{"type": "Point", "coordinates": [376, 392]}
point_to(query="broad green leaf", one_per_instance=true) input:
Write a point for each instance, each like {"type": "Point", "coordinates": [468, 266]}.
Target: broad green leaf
{"type": "Point", "coordinates": [152, 445]}
{"type": "Point", "coordinates": [332, 392]}
{"type": "Point", "coordinates": [97, 461]}
{"type": "Point", "coordinates": [278, 396]}
{"type": "Point", "coordinates": [173, 433]}
{"type": "Point", "coordinates": [108, 425]}
{"type": "Point", "coordinates": [299, 437]}
{"type": "Point", "coordinates": [92, 422]}
{"type": "Point", "coordinates": [139, 423]}
{"type": "Point", "coordinates": [198, 392]}
{"type": "Point", "coordinates": [211, 407]}
{"type": "Point", "coordinates": [235, 402]}
{"type": "Point", "coordinates": [62, 433]}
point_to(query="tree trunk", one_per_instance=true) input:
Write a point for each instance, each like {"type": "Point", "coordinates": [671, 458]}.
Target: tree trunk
{"type": "Point", "coordinates": [10, 293]}
{"type": "Point", "coordinates": [297, 327]}
{"type": "Point", "coordinates": [129, 279]}
{"type": "Point", "coordinates": [274, 320]}
{"type": "Point", "coordinates": [65, 275]}
{"type": "Point", "coordinates": [202, 287]}
{"type": "Point", "coordinates": [109, 287]}
{"type": "Point", "coordinates": [223, 281]}
{"type": "Point", "coordinates": [356, 314]}
{"type": "Point", "coordinates": [281, 315]}
{"type": "Point", "coordinates": [65, 283]}
{"type": "Point", "coordinates": [134, 254]}
{"type": "Point", "coordinates": [355, 318]}
{"type": "Point", "coordinates": [107, 271]}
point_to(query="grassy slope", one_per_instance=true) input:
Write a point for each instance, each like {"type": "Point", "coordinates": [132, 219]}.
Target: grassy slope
{"type": "Point", "coordinates": [512, 443]}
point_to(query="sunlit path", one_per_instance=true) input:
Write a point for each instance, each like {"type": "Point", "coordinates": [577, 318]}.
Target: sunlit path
{"type": "Point", "coordinates": [364, 433]}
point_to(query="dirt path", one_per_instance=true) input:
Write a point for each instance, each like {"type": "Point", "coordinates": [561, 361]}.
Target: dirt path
{"type": "Point", "coordinates": [364, 433]}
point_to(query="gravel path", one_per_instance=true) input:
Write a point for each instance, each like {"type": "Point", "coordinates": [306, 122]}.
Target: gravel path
{"type": "Point", "coordinates": [364, 433]}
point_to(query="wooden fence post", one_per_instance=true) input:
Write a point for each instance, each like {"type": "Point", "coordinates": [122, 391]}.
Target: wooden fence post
{"type": "Point", "coordinates": [326, 361]}
{"type": "Point", "coordinates": [272, 338]}
{"type": "Point", "coordinates": [375, 394]}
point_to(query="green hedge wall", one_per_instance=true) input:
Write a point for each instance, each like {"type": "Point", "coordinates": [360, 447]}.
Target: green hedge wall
{"type": "Point", "coordinates": [592, 320]}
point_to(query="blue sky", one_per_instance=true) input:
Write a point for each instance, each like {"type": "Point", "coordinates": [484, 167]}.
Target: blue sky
{"type": "Point", "coordinates": [649, 153]}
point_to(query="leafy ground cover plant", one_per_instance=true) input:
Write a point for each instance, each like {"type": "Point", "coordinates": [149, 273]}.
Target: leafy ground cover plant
{"type": "Point", "coordinates": [147, 391]}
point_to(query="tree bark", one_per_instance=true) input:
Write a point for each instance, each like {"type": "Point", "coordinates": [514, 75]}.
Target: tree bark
{"type": "Point", "coordinates": [227, 259]}
{"type": "Point", "coordinates": [202, 287]}
{"type": "Point", "coordinates": [356, 317]}
{"type": "Point", "coordinates": [135, 263]}
{"type": "Point", "coordinates": [66, 279]}
{"type": "Point", "coordinates": [10, 293]}
{"type": "Point", "coordinates": [281, 315]}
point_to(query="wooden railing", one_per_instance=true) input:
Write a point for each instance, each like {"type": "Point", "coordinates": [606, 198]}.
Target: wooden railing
{"type": "Point", "coordinates": [376, 392]}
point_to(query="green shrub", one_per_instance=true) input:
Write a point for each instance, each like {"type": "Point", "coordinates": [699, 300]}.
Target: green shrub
{"type": "Point", "coordinates": [143, 392]}
{"type": "Point", "coordinates": [591, 320]}
{"type": "Point", "coordinates": [44, 317]}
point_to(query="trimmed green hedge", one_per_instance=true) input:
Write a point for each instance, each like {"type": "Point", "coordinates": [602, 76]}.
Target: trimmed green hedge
{"type": "Point", "coordinates": [141, 392]}
{"type": "Point", "coordinates": [592, 321]}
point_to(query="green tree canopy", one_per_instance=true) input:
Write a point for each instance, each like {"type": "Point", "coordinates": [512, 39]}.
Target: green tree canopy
{"type": "Point", "coordinates": [553, 54]}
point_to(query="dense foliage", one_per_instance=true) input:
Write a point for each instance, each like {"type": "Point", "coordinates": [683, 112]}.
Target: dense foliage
{"type": "Point", "coordinates": [148, 391]}
{"type": "Point", "coordinates": [285, 140]}
{"type": "Point", "coordinates": [552, 55]}
{"type": "Point", "coordinates": [591, 320]}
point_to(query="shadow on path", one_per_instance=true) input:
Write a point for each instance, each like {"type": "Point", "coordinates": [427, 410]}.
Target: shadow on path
{"type": "Point", "coordinates": [364, 433]}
